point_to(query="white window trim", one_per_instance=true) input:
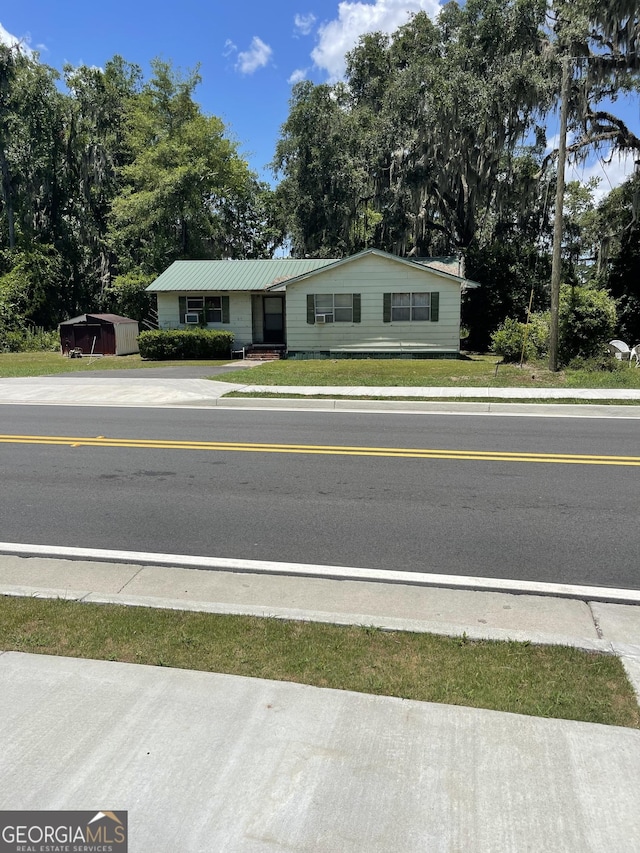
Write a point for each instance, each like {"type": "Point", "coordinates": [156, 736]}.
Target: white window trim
{"type": "Point", "coordinates": [411, 307]}
{"type": "Point", "coordinates": [218, 309]}
{"type": "Point", "coordinates": [329, 313]}
{"type": "Point", "coordinates": [194, 303]}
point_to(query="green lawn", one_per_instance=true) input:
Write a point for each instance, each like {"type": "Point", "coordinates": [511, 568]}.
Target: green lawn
{"type": "Point", "coordinates": [545, 681]}
{"type": "Point", "coordinates": [476, 371]}
{"type": "Point", "coordinates": [53, 363]}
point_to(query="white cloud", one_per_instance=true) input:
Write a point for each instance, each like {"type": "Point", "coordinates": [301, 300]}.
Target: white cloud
{"type": "Point", "coordinates": [612, 170]}
{"type": "Point", "coordinates": [552, 143]}
{"type": "Point", "coordinates": [256, 57]}
{"type": "Point", "coordinates": [10, 40]}
{"type": "Point", "coordinates": [341, 35]}
{"type": "Point", "coordinates": [304, 23]}
{"type": "Point", "coordinates": [298, 75]}
{"type": "Point", "coordinates": [229, 48]}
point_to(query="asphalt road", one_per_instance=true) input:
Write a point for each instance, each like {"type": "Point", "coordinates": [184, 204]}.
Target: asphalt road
{"type": "Point", "coordinates": [532, 520]}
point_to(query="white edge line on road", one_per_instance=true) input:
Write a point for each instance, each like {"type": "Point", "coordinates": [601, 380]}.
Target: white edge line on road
{"type": "Point", "coordinates": [504, 585]}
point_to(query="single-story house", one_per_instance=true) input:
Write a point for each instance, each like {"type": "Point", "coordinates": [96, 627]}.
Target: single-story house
{"type": "Point", "coordinates": [369, 304]}
{"type": "Point", "coordinates": [99, 334]}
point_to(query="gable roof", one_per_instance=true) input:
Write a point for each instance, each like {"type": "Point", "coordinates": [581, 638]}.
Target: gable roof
{"type": "Point", "coordinates": [192, 276]}
{"type": "Point", "coordinates": [276, 274]}
{"type": "Point", "coordinates": [444, 267]}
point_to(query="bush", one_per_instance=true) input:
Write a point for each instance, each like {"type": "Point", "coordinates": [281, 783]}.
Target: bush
{"type": "Point", "coordinates": [509, 340]}
{"type": "Point", "coordinates": [587, 319]}
{"type": "Point", "coordinates": [600, 362]}
{"type": "Point", "coordinates": [182, 343]}
{"type": "Point", "coordinates": [29, 340]}
{"type": "Point", "coordinates": [587, 322]}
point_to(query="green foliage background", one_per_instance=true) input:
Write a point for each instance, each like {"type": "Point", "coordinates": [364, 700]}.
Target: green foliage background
{"type": "Point", "coordinates": [433, 144]}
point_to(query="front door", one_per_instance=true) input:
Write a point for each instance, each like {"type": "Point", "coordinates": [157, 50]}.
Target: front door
{"type": "Point", "coordinates": [273, 329]}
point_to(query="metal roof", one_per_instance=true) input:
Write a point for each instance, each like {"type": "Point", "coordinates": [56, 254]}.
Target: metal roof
{"type": "Point", "coordinates": [450, 264]}
{"type": "Point", "coordinates": [194, 276]}
{"type": "Point", "coordinates": [115, 319]}
{"type": "Point", "coordinates": [191, 276]}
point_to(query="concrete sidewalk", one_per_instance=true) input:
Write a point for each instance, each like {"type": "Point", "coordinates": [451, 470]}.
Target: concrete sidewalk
{"type": "Point", "coordinates": [212, 762]}
{"type": "Point", "coordinates": [117, 390]}
{"type": "Point", "coordinates": [207, 762]}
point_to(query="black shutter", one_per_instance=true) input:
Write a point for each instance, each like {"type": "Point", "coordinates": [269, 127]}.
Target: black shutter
{"type": "Point", "coordinates": [182, 308]}
{"type": "Point", "coordinates": [435, 307]}
{"type": "Point", "coordinates": [225, 309]}
{"type": "Point", "coordinates": [356, 307]}
{"type": "Point", "coordinates": [386, 308]}
{"type": "Point", "coordinates": [311, 308]}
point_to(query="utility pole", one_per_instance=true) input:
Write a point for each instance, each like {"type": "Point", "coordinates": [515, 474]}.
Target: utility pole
{"type": "Point", "coordinates": [556, 259]}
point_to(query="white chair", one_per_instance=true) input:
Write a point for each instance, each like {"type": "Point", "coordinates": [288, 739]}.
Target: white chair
{"type": "Point", "coordinates": [620, 350]}
{"type": "Point", "coordinates": [635, 353]}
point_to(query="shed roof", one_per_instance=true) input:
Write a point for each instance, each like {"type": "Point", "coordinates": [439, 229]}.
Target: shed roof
{"type": "Point", "coordinates": [192, 276]}
{"type": "Point", "coordinates": [114, 319]}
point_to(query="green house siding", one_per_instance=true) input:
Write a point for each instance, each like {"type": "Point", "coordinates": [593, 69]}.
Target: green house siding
{"type": "Point", "coordinates": [372, 277]}
{"type": "Point", "coordinates": [236, 314]}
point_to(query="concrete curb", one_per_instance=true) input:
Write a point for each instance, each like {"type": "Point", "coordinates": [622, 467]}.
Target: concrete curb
{"type": "Point", "coordinates": [448, 407]}
{"type": "Point", "coordinates": [452, 392]}
{"type": "Point", "coordinates": [511, 586]}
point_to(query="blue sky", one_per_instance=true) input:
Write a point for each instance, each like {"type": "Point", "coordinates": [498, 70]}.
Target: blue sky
{"type": "Point", "coordinates": [250, 53]}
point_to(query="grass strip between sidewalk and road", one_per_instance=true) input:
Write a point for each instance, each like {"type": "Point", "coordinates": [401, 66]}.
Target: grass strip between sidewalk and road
{"type": "Point", "coordinates": [544, 681]}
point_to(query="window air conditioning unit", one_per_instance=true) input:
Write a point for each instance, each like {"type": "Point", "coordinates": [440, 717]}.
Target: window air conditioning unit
{"type": "Point", "coordinates": [321, 318]}
{"type": "Point", "coordinates": [192, 318]}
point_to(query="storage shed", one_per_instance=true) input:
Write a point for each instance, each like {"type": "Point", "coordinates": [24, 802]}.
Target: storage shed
{"type": "Point", "coordinates": [99, 334]}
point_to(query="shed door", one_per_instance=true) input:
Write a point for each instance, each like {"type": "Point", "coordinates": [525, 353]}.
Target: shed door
{"type": "Point", "coordinates": [83, 337]}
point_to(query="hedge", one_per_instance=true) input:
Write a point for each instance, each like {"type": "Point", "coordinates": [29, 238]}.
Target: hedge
{"type": "Point", "coordinates": [185, 343]}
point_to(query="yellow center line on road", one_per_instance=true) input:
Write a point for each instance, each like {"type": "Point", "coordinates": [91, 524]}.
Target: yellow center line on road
{"type": "Point", "coordinates": [327, 450]}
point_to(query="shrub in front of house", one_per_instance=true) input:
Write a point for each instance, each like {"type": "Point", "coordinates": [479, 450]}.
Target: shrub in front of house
{"type": "Point", "coordinates": [167, 344]}
{"type": "Point", "coordinates": [587, 322]}
{"type": "Point", "coordinates": [514, 340]}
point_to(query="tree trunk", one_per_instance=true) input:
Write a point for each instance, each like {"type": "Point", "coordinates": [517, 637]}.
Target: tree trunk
{"type": "Point", "coordinates": [7, 197]}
